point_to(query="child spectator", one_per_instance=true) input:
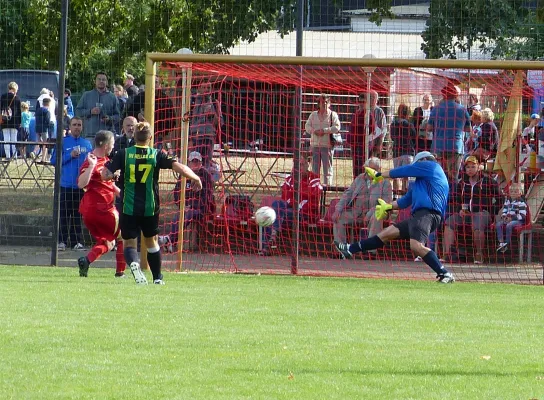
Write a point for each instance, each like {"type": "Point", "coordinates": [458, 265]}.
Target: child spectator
{"type": "Point", "coordinates": [43, 122]}
{"type": "Point", "coordinates": [24, 130]}
{"type": "Point", "coordinates": [514, 212]}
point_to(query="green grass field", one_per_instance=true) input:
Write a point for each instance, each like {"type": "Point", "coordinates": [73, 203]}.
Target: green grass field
{"type": "Point", "coordinates": [265, 337]}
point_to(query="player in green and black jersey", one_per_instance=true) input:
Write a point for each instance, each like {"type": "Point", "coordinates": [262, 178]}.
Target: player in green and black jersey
{"type": "Point", "coordinates": [140, 166]}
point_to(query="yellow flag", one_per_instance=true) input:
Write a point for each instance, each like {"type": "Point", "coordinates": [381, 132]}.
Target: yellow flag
{"type": "Point", "coordinates": [507, 151]}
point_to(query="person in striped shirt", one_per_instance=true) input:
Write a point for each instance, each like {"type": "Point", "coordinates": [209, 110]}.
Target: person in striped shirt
{"type": "Point", "coordinates": [514, 212]}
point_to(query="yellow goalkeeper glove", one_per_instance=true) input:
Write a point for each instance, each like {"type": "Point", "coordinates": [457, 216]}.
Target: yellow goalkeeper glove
{"type": "Point", "coordinates": [382, 209]}
{"type": "Point", "coordinates": [372, 174]}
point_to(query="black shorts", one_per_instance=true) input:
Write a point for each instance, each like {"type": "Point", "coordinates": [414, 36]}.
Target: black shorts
{"type": "Point", "coordinates": [131, 225]}
{"type": "Point", "coordinates": [419, 225]}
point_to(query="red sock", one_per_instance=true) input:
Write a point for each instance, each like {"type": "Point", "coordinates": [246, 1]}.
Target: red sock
{"type": "Point", "coordinates": [97, 251]}
{"type": "Point", "coordinates": [120, 258]}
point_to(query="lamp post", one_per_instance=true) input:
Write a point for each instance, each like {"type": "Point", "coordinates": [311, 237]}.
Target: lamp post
{"type": "Point", "coordinates": [368, 70]}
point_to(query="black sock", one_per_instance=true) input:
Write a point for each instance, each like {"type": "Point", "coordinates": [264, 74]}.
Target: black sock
{"type": "Point", "coordinates": [131, 255]}
{"type": "Point", "coordinates": [371, 243]}
{"type": "Point", "coordinates": [154, 261]}
{"type": "Point", "coordinates": [431, 259]}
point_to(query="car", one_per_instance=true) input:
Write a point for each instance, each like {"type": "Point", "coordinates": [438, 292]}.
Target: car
{"type": "Point", "coordinates": [30, 82]}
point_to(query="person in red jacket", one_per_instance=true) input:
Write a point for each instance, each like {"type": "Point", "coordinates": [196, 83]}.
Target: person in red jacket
{"type": "Point", "coordinates": [310, 195]}
{"type": "Point", "coordinates": [98, 206]}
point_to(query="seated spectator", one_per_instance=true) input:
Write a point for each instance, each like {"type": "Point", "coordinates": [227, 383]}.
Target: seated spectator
{"type": "Point", "coordinates": [475, 201]}
{"type": "Point", "coordinates": [514, 213]}
{"type": "Point", "coordinates": [198, 204]}
{"type": "Point", "coordinates": [404, 137]}
{"type": "Point", "coordinates": [358, 203]}
{"type": "Point", "coordinates": [310, 195]}
{"type": "Point", "coordinates": [489, 137]}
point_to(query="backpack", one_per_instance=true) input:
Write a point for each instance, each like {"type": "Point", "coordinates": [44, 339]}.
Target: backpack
{"type": "Point", "coordinates": [239, 206]}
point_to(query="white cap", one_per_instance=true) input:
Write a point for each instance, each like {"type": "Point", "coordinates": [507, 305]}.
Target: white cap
{"type": "Point", "coordinates": [194, 155]}
{"type": "Point", "coordinates": [423, 154]}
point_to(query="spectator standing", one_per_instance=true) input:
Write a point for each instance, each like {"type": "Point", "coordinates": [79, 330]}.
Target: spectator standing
{"type": "Point", "coordinates": [68, 103]}
{"type": "Point", "coordinates": [44, 94]}
{"type": "Point", "coordinates": [514, 213]}
{"type": "Point", "coordinates": [98, 108]}
{"type": "Point", "coordinates": [475, 202]}
{"type": "Point", "coordinates": [357, 135]}
{"type": "Point", "coordinates": [488, 142]}
{"type": "Point", "coordinates": [404, 138]}
{"type": "Point", "coordinates": [358, 202]}
{"type": "Point", "coordinates": [378, 127]}
{"type": "Point", "coordinates": [10, 109]}
{"type": "Point", "coordinates": [427, 196]}
{"type": "Point", "coordinates": [164, 114]}
{"type": "Point", "coordinates": [324, 127]}
{"type": "Point", "coordinates": [140, 166]}
{"type": "Point", "coordinates": [97, 205]}
{"type": "Point", "coordinates": [449, 120]}
{"type": "Point", "coordinates": [529, 131]}
{"type": "Point", "coordinates": [205, 123]}
{"type": "Point", "coordinates": [43, 126]}
{"type": "Point", "coordinates": [122, 98]}
{"type": "Point", "coordinates": [127, 137]}
{"type": "Point", "coordinates": [74, 153]}
{"type": "Point", "coordinates": [130, 88]}
{"type": "Point", "coordinates": [420, 118]}
{"type": "Point", "coordinates": [198, 204]}
{"type": "Point", "coordinates": [310, 195]}
{"type": "Point", "coordinates": [473, 104]}
{"type": "Point", "coordinates": [473, 139]}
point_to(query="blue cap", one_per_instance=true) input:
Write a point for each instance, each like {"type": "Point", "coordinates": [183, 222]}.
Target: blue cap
{"type": "Point", "coordinates": [535, 116]}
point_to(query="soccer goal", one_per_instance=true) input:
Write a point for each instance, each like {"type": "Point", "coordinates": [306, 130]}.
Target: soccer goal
{"type": "Point", "coordinates": [296, 133]}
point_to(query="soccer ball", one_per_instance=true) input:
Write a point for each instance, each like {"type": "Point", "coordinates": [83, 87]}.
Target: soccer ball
{"type": "Point", "coordinates": [265, 216]}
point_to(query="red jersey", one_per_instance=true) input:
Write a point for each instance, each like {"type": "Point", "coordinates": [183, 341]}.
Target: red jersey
{"type": "Point", "coordinates": [99, 195]}
{"type": "Point", "coordinates": [310, 194]}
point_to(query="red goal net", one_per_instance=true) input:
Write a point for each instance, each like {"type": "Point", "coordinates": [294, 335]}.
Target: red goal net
{"type": "Point", "coordinates": [272, 134]}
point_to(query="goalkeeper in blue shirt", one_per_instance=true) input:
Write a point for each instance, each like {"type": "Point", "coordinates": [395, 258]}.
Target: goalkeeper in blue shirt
{"type": "Point", "coordinates": [428, 197]}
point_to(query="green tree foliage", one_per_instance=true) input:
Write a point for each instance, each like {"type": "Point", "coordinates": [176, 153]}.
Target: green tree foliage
{"type": "Point", "coordinates": [503, 28]}
{"type": "Point", "coordinates": [115, 35]}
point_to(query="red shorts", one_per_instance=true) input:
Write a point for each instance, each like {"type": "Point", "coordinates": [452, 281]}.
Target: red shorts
{"type": "Point", "coordinates": [102, 225]}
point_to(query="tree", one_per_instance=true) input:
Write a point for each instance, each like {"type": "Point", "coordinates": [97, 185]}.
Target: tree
{"type": "Point", "coordinates": [503, 28]}
{"type": "Point", "coordinates": [111, 34]}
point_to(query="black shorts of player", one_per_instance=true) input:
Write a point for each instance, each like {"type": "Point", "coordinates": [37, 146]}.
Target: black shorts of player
{"type": "Point", "coordinates": [132, 225]}
{"type": "Point", "coordinates": [419, 225]}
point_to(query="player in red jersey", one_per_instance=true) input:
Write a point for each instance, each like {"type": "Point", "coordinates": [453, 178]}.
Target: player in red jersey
{"type": "Point", "coordinates": [98, 206]}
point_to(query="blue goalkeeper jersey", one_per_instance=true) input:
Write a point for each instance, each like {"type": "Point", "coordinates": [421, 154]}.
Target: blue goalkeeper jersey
{"type": "Point", "coordinates": [430, 189]}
